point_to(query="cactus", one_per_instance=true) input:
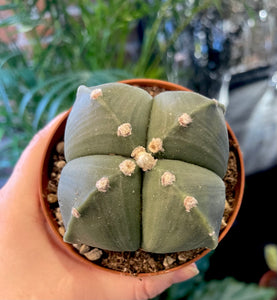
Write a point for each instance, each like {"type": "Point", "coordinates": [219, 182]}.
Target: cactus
{"type": "Point", "coordinates": [143, 172]}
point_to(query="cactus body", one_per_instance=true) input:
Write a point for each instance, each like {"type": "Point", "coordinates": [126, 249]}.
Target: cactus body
{"type": "Point", "coordinates": [107, 219]}
{"type": "Point", "coordinates": [168, 225]}
{"type": "Point", "coordinates": [93, 123]}
{"type": "Point", "coordinates": [161, 190]}
{"type": "Point", "coordinates": [202, 141]}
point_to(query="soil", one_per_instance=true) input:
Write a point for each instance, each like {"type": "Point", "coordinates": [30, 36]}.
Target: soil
{"type": "Point", "coordinates": [138, 261]}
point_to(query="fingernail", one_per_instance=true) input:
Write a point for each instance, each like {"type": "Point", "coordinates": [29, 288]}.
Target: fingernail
{"type": "Point", "coordinates": [192, 270]}
{"type": "Point", "coordinates": [186, 273]}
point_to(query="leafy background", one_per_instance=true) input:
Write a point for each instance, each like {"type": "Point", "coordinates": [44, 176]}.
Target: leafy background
{"type": "Point", "coordinates": [48, 48]}
{"type": "Point", "coordinates": [53, 46]}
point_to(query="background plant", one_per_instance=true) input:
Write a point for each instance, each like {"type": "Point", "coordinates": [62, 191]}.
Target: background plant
{"type": "Point", "coordinates": [226, 289]}
{"type": "Point", "coordinates": [57, 45]}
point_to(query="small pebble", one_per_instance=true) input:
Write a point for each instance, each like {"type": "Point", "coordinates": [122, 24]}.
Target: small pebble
{"type": "Point", "coordinates": [60, 164]}
{"type": "Point", "coordinates": [94, 254]}
{"type": "Point", "coordinates": [58, 216]}
{"type": "Point", "coordinates": [84, 249]}
{"type": "Point", "coordinates": [228, 208]}
{"type": "Point", "coordinates": [182, 257]}
{"type": "Point", "coordinates": [223, 224]}
{"type": "Point", "coordinates": [60, 147]}
{"type": "Point", "coordinates": [52, 198]}
{"type": "Point", "coordinates": [168, 261]}
{"type": "Point", "coordinates": [62, 230]}
{"type": "Point", "coordinates": [52, 187]}
{"type": "Point", "coordinates": [77, 246]}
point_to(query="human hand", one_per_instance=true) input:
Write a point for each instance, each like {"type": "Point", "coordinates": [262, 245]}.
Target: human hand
{"type": "Point", "coordinates": [32, 264]}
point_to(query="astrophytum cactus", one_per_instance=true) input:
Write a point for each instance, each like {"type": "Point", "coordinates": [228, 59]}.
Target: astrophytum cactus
{"type": "Point", "coordinates": [143, 172]}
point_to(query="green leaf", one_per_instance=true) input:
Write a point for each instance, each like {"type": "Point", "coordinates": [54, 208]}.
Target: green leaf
{"type": "Point", "coordinates": [231, 289]}
{"type": "Point", "coordinates": [5, 99]}
{"type": "Point", "coordinates": [270, 253]}
{"type": "Point", "coordinates": [8, 6]}
{"type": "Point", "coordinates": [2, 132]}
{"type": "Point", "coordinates": [56, 89]}
{"type": "Point", "coordinates": [57, 102]}
{"type": "Point", "coordinates": [8, 56]}
{"type": "Point", "coordinates": [9, 21]}
{"type": "Point", "coordinates": [29, 95]}
{"type": "Point", "coordinates": [183, 289]}
{"type": "Point", "coordinates": [7, 77]}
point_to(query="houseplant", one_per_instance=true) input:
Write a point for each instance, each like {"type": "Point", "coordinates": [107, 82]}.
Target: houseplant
{"type": "Point", "coordinates": [236, 190]}
{"type": "Point", "coordinates": [269, 279]}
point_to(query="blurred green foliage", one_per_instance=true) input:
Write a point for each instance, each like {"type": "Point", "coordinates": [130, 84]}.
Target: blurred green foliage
{"type": "Point", "coordinates": [66, 43]}
{"type": "Point", "coordinates": [197, 288]}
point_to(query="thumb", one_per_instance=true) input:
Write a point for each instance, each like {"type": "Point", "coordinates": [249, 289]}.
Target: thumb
{"type": "Point", "coordinates": [153, 286]}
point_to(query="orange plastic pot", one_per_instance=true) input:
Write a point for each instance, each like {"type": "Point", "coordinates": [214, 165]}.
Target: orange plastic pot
{"type": "Point", "coordinates": [58, 134]}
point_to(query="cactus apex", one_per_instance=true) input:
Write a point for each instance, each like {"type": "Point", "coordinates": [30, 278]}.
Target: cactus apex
{"type": "Point", "coordinates": [137, 151]}
{"type": "Point", "coordinates": [143, 159]}
{"type": "Point", "coordinates": [167, 178]}
{"type": "Point", "coordinates": [124, 130]}
{"type": "Point", "coordinates": [184, 120]}
{"type": "Point", "coordinates": [156, 145]}
{"type": "Point", "coordinates": [190, 202]}
{"type": "Point", "coordinates": [103, 184]}
{"type": "Point", "coordinates": [95, 94]}
{"type": "Point", "coordinates": [127, 167]}
{"type": "Point", "coordinates": [75, 213]}
{"type": "Point", "coordinates": [146, 161]}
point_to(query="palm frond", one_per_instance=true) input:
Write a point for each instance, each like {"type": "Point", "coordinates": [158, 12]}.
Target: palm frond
{"type": "Point", "coordinates": [5, 99]}
{"type": "Point", "coordinates": [8, 6]}
{"type": "Point", "coordinates": [38, 88]}
{"type": "Point", "coordinates": [57, 102]}
{"type": "Point", "coordinates": [55, 90]}
{"type": "Point", "coordinates": [7, 56]}
{"type": "Point", "coordinates": [58, 89]}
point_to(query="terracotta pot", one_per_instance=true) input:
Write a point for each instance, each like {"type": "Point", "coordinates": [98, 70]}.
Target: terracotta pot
{"type": "Point", "coordinates": [57, 136]}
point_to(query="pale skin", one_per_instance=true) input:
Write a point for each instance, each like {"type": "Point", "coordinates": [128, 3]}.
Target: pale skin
{"type": "Point", "coordinates": [34, 266]}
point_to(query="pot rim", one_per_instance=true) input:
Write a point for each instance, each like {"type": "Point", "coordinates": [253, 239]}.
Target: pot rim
{"type": "Point", "coordinates": [55, 136]}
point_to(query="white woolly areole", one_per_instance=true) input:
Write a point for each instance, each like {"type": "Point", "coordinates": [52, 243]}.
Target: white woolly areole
{"type": "Point", "coordinates": [124, 130]}
{"type": "Point", "coordinates": [127, 167]}
{"type": "Point", "coordinates": [167, 178]}
{"type": "Point", "coordinates": [189, 203]}
{"type": "Point", "coordinates": [146, 161]}
{"type": "Point", "coordinates": [143, 159]}
{"type": "Point", "coordinates": [137, 151]}
{"type": "Point", "coordinates": [103, 184]}
{"type": "Point", "coordinates": [95, 94]}
{"type": "Point", "coordinates": [215, 101]}
{"type": "Point", "coordinates": [156, 145]}
{"type": "Point", "coordinates": [184, 120]}
{"type": "Point", "coordinates": [212, 233]}
{"type": "Point", "coordinates": [75, 213]}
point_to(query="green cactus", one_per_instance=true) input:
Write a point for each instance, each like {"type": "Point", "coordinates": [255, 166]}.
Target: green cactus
{"type": "Point", "coordinates": [143, 172]}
